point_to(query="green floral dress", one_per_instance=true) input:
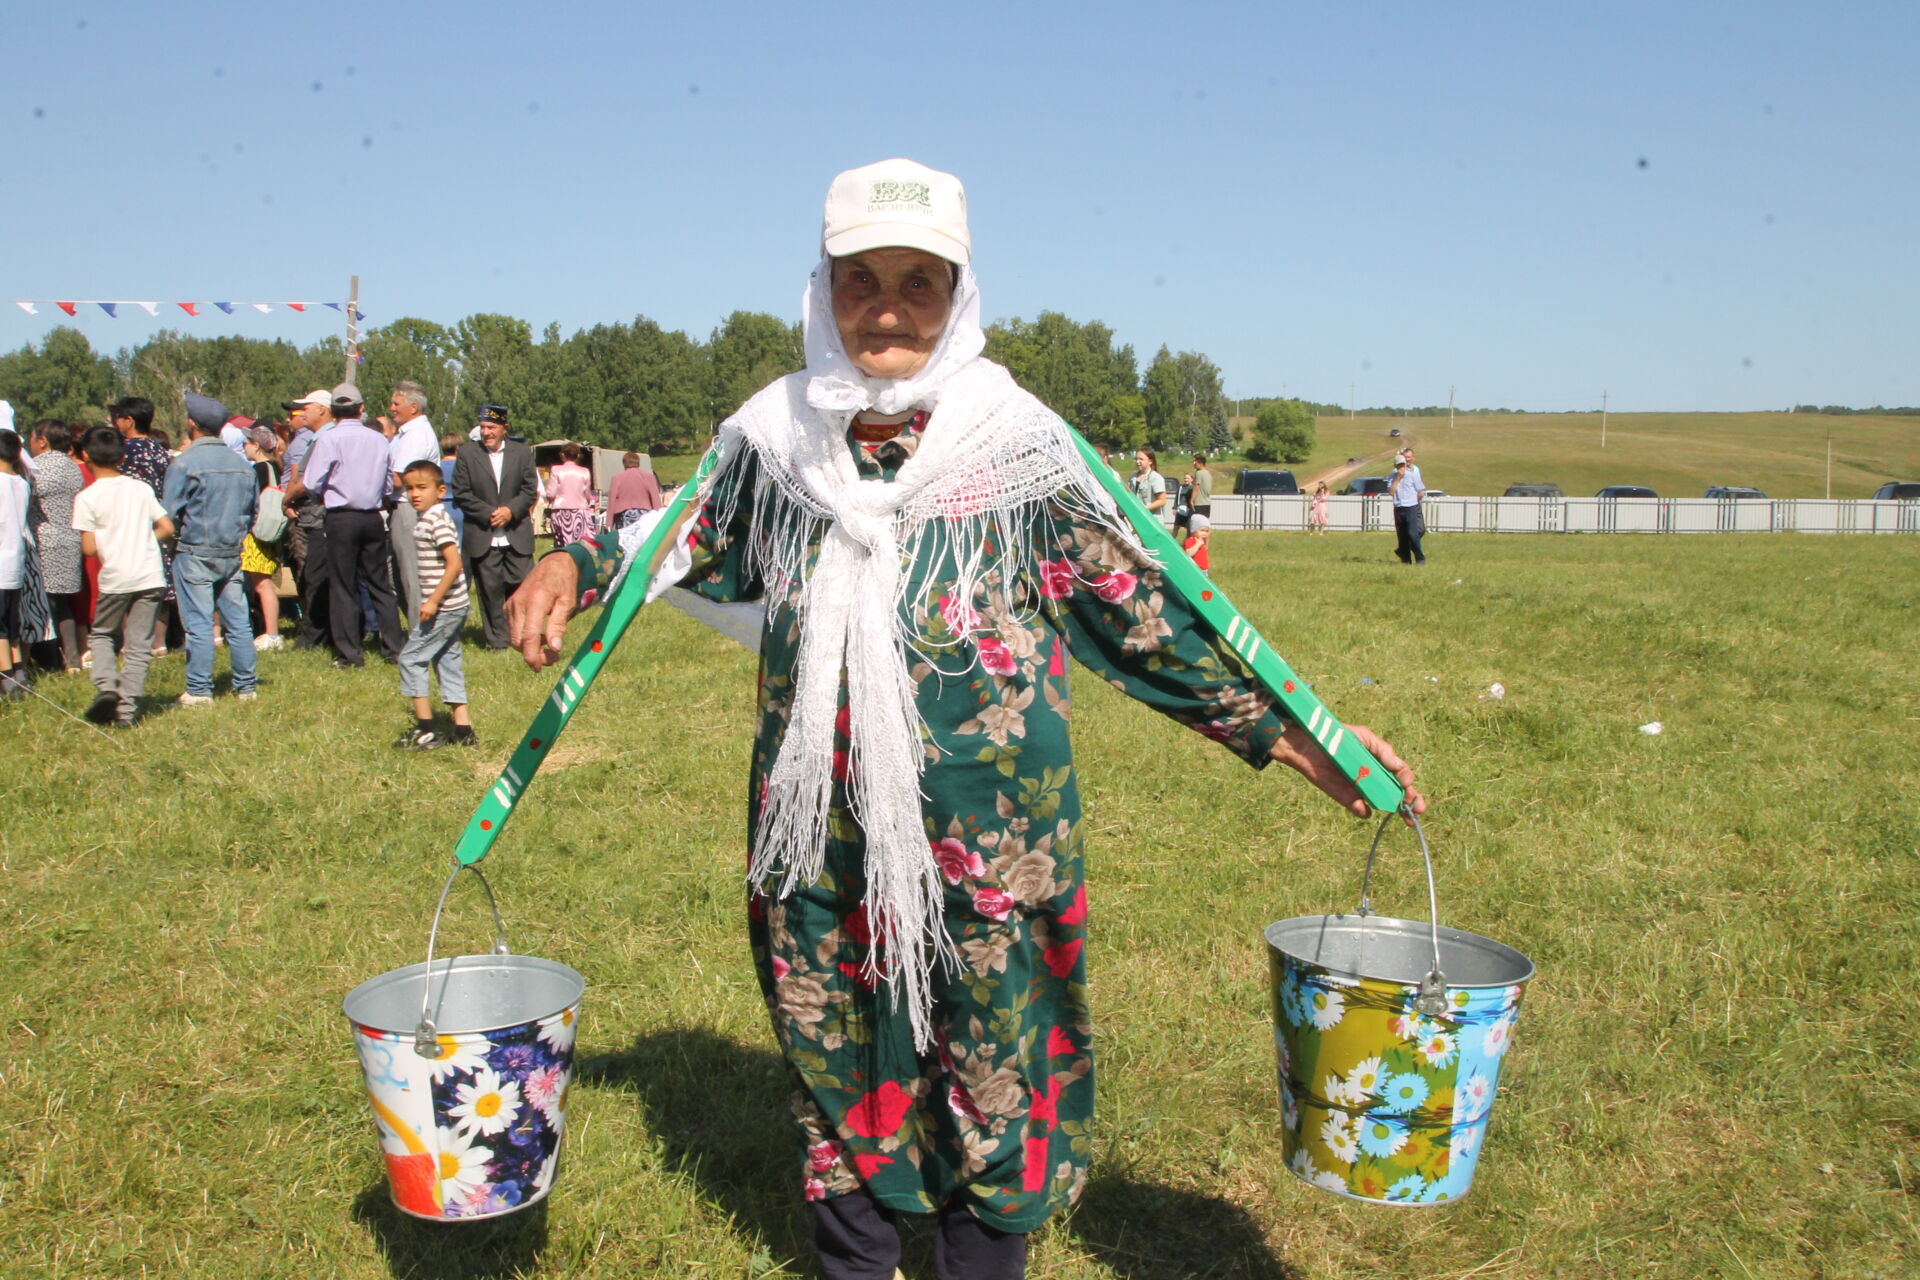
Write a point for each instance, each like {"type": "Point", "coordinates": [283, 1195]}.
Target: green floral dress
{"type": "Point", "coordinates": [1001, 1112]}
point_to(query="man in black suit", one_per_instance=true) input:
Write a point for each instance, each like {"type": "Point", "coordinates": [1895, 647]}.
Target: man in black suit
{"type": "Point", "coordinates": [494, 485]}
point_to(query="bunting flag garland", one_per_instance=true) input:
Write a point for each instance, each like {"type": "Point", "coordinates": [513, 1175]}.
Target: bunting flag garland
{"type": "Point", "coordinates": [112, 306]}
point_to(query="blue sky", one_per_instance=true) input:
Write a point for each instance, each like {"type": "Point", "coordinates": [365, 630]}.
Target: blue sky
{"type": "Point", "coordinates": [1687, 207]}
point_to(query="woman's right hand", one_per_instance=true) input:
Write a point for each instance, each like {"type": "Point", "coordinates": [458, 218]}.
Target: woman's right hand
{"type": "Point", "coordinates": [537, 613]}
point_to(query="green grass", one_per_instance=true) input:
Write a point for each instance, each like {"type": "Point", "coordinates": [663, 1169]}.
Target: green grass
{"type": "Point", "coordinates": [1715, 1072]}
{"type": "Point", "coordinates": [1676, 454]}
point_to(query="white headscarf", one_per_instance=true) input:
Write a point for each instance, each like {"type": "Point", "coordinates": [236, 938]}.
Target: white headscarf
{"type": "Point", "coordinates": [834, 385]}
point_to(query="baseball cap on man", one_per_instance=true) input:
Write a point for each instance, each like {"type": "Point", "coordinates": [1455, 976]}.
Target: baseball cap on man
{"type": "Point", "coordinates": [346, 396]}
{"type": "Point", "coordinates": [312, 397]}
{"type": "Point", "coordinates": [205, 412]}
{"type": "Point", "coordinates": [897, 204]}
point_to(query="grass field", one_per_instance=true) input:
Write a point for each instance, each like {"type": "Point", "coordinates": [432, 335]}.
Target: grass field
{"type": "Point", "coordinates": [1676, 454]}
{"type": "Point", "coordinates": [1715, 1072]}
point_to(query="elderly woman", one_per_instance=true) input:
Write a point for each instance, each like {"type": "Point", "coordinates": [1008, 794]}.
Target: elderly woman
{"type": "Point", "coordinates": [569, 495]}
{"type": "Point", "coordinates": [931, 549]}
{"type": "Point", "coordinates": [57, 481]}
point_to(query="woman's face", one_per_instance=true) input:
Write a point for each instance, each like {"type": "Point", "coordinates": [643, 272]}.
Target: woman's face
{"type": "Point", "coordinates": [1141, 462]}
{"type": "Point", "coordinates": [890, 306]}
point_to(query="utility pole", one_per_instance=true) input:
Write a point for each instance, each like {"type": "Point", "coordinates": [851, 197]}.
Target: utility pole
{"type": "Point", "coordinates": [353, 330]}
{"type": "Point", "coordinates": [1449, 408]}
{"type": "Point", "coordinates": [1829, 460]}
{"type": "Point", "coordinates": [1603, 419]}
{"type": "Point", "coordinates": [1349, 402]}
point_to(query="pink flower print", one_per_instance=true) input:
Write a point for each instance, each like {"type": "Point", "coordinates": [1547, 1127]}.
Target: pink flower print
{"type": "Point", "coordinates": [1045, 1107]}
{"type": "Point", "coordinates": [591, 594]}
{"type": "Point", "coordinates": [1034, 1176]}
{"type": "Point", "coordinates": [878, 1114]}
{"type": "Point", "coordinates": [855, 926]}
{"type": "Point", "coordinates": [1058, 1042]}
{"type": "Point", "coordinates": [780, 969]}
{"type": "Point", "coordinates": [1056, 578]}
{"type": "Point", "coordinates": [816, 1189]}
{"type": "Point", "coordinates": [1077, 913]}
{"type": "Point", "coordinates": [958, 615]}
{"type": "Point", "coordinates": [858, 975]}
{"type": "Point", "coordinates": [1057, 661]}
{"type": "Point", "coordinates": [996, 658]}
{"type": "Point", "coordinates": [956, 861]}
{"type": "Point", "coordinates": [992, 903]}
{"type": "Point", "coordinates": [1061, 959]}
{"type": "Point", "coordinates": [1114, 587]}
{"type": "Point", "coordinates": [821, 1156]}
{"type": "Point", "coordinates": [961, 1103]}
{"type": "Point", "coordinates": [868, 1163]}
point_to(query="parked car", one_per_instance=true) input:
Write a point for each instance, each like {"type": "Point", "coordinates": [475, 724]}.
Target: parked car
{"type": "Point", "coordinates": [1258, 483]}
{"type": "Point", "coordinates": [1534, 491]}
{"type": "Point", "coordinates": [1438, 493]}
{"type": "Point", "coordinates": [1626, 491]}
{"type": "Point", "coordinates": [1366, 484]}
{"type": "Point", "coordinates": [1394, 433]}
{"type": "Point", "coordinates": [1899, 490]}
{"type": "Point", "coordinates": [1731, 491]}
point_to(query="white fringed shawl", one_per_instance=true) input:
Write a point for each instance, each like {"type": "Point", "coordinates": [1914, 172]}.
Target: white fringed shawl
{"type": "Point", "coordinates": [989, 467]}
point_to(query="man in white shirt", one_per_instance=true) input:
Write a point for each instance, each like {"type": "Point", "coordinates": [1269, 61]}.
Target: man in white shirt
{"type": "Point", "coordinates": [411, 439]}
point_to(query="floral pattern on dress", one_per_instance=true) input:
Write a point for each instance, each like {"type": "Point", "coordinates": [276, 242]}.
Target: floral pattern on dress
{"type": "Point", "coordinates": [1000, 1112]}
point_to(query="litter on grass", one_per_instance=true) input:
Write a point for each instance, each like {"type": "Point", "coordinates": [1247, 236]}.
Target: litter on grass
{"type": "Point", "coordinates": [1494, 693]}
{"type": "Point", "coordinates": [1651, 729]}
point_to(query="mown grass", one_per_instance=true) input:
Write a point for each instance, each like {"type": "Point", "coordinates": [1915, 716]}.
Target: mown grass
{"type": "Point", "coordinates": [1715, 1073]}
{"type": "Point", "coordinates": [1676, 454]}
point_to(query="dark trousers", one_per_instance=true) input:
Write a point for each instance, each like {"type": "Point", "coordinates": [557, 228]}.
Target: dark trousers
{"type": "Point", "coordinates": [357, 554]}
{"type": "Point", "coordinates": [314, 576]}
{"type": "Point", "coordinates": [1409, 526]}
{"type": "Point", "coordinates": [497, 574]}
{"type": "Point", "coordinates": [857, 1240]}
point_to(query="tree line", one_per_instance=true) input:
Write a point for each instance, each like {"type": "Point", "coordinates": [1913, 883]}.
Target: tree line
{"type": "Point", "coordinates": [621, 386]}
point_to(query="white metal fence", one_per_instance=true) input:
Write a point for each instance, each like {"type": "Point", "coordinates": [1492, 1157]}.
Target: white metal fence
{"type": "Point", "coordinates": [1582, 515]}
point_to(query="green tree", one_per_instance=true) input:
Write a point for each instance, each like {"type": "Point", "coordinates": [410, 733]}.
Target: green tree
{"type": "Point", "coordinates": [63, 378]}
{"type": "Point", "coordinates": [1184, 399]}
{"type": "Point", "coordinates": [744, 354]}
{"type": "Point", "coordinates": [413, 350]}
{"type": "Point", "coordinates": [1283, 431]}
{"type": "Point", "coordinates": [1073, 368]}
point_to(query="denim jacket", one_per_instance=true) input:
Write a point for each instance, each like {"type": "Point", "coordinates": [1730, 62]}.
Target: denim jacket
{"type": "Point", "coordinates": [211, 497]}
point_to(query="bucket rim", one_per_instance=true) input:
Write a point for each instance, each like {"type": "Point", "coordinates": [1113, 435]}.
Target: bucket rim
{"type": "Point", "coordinates": [449, 964]}
{"type": "Point", "coordinates": [1395, 923]}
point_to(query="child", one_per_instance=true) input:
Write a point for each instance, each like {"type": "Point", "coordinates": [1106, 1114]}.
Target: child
{"type": "Point", "coordinates": [435, 640]}
{"type": "Point", "coordinates": [121, 523]}
{"type": "Point", "coordinates": [14, 550]}
{"type": "Point", "coordinates": [1199, 533]}
{"type": "Point", "coordinates": [1317, 517]}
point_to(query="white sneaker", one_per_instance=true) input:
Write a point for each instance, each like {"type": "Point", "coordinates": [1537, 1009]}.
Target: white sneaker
{"type": "Point", "coordinates": [194, 700]}
{"type": "Point", "coordinates": [268, 642]}
{"type": "Point", "coordinates": [250, 695]}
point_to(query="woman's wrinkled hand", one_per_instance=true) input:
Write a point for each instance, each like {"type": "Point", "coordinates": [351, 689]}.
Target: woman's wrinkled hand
{"type": "Point", "coordinates": [1298, 751]}
{"type": "Point", "coordinates": [537, 613]}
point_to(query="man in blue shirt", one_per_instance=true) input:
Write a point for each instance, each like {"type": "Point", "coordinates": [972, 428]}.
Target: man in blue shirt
{"type": "Point", "coordinates": [1406, 489]}
{"type": "Point", "coordinates": [347, 468]}
{"type": "Point", "coordinates": [211, 497]}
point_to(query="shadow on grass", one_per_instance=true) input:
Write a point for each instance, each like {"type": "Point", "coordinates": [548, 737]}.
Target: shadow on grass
{"type": "Point", "coordinates": [721, 1114]}
{"type": "Point", "coordinates": [418, 1250]}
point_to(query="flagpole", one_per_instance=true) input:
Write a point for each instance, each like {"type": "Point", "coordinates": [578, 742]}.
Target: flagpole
{"type": "Point", "coordinates": [353, 329]}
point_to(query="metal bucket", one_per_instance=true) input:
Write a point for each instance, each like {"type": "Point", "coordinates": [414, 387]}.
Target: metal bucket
{"type": "Point", "coordinates": [467, 1062]}
{"type": "Point", "coordinates": [1390, 1036]}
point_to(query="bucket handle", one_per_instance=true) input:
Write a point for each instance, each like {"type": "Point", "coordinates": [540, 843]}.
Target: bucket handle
{"type": "Point", "coordinates": [426, 1035]}
{"type": "Point", "coordinates": [1432, 1000]}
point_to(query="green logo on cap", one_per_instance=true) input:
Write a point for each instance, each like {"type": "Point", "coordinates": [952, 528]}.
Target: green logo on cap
{"type": "Point", "coordinates": [891, 195]}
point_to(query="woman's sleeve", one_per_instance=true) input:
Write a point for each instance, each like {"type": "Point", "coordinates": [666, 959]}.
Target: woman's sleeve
{"type": "Point", "coordinates": [1126, 622]}
{"type": "Point", "coordinates": [712, 558]}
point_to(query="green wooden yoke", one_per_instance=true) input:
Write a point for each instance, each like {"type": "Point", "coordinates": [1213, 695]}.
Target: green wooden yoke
{"type": "Point", "coordinates": [1378, 787]}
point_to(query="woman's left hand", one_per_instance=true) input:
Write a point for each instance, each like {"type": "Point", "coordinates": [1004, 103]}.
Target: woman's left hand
{"type": "Point", "coordinates": [1298, 751]}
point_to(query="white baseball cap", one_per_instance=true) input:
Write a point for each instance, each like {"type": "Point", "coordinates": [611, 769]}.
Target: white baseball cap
{"type": "Point", "coordinates": [897, 204]}
{"type": "Point", "coordinates": [312, 397]}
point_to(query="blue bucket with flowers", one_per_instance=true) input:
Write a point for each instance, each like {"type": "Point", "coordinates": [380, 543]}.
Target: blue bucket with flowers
{"type": "Point", "coordinates": [467, 1062]}
{"type": "Point", "coordinates": [1390, 1036]}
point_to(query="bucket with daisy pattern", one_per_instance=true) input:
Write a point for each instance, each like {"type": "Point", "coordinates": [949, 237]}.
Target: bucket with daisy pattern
{"type": "Point", "coordinates": [467, 1060]}
{"type": "Point", "coordinates": [1390, 1036]}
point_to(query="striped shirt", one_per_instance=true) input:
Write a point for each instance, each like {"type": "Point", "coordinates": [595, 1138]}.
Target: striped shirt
{"type": "Point", "coordinates": [431, 532]}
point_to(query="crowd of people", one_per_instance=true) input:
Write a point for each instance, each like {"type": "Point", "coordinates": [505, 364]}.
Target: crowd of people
{"type": "Point", "coordinates": [117, 547]}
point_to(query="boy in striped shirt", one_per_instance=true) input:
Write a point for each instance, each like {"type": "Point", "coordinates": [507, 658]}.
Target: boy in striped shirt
{"type": "Point", "coordinates": [435, 638]}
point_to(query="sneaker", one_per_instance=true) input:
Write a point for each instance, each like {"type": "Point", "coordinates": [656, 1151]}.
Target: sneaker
{"type": "Point", "coordinates": [194, 700]}
{"type": "Point", "coordinates": [341, 664]}
{"type": "Point", "coordinates": [268, 642]}
{"type": "Point", "coordinates": [103, 709]}
{"type": "Point", "coordinates": [467, 739]}
{"type": "Point", "coordinates": [251, 695]}
{"type": "Point", "coordinates": [86, 660]}
{"type": "Point", "coordinates": [421, 740]}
